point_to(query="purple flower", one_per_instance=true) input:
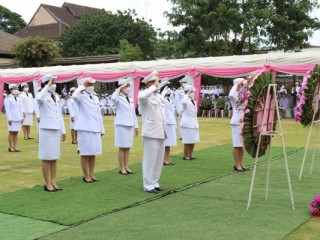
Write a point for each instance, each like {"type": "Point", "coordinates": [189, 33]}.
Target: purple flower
{"type": "Point", "coordinates": [314, 206]}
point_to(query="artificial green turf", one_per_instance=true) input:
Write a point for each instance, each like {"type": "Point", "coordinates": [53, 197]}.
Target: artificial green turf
{"type": "Point", "coordinates": [80, 201]}
{"type": "Point", "coordinates": [15, 227]}
{"type": "Point", "coordinates": [214, 210]}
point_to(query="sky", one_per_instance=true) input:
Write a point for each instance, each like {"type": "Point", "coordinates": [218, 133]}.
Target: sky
{"type": "Point", "coordinates": [147, 9]}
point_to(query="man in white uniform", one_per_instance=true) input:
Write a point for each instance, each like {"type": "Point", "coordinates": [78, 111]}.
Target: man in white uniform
{"type": "Point", "coordinates": [28, 110]}
{"type": "Point", "coordinates": [153, 133]}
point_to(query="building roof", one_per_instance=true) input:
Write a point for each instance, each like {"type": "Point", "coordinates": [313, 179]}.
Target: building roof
{"type": "Point", "coordinates": [50, 31]}
{"type": "Point", "coordinates": [61, 14]}
{"type": "Point", "coordinates": [7, 41]}
{"type": "Point", "coordinates": [78, 10]}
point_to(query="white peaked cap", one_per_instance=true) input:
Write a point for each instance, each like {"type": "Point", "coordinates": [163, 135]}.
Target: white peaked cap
{"type": "Point", "coordinates": [152, 76]}
{"type": "Point", "coordinates": [72, 89]}
{"type": "Point", "coordinates": [183, 80]}
{"type": "Point", "coordinates": [89, 79]}
{"type": "Point", "coordinates": [123, 81]}
{"type": "Point", "coordinates": [188, 88]}
{"type": "Point", "coordinates": [13, 86]}
{"type": "Point", "coordinates": [237, 81]}
{"type": "Point", "coordinates": [47, 78]}
{"type": "Point", "coordinates": [24, 84]}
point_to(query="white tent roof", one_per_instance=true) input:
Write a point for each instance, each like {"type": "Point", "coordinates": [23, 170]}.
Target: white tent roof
{"type": "Point", "coordinates": [208, 62]}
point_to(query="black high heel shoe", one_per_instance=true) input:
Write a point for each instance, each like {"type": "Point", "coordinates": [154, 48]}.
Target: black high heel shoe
{"type": "Point", "coordinates": [47, 190]}
{"type": "Point", "coordinates": [87, 181]}
{"type": "Point", "coordinates": [10, 150]}
{"type": "Point", "coordinates": [238, 170]}
{"type": "Point", "coordinates": [123, 173]}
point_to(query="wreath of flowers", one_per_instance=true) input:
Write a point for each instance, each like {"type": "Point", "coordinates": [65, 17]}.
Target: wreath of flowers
{"type": "Point", "coordinates": [246, 101]}
{"type": "Point", "coordinates": [304, 110]}
{"type": "Point", "coordinates": [314, 206]}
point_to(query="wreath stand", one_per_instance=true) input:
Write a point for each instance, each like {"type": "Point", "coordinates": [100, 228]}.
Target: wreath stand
{"type": "Point", "coordinates": [309, 136]}
{"type": "Point", "coordinates": [273, 103]}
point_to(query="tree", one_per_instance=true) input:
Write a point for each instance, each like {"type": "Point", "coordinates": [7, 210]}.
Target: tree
{"type": "Point", "coordinates": [101, 33]}
{"type": "Point", "coordinates": [10, 22]}
{"type": "Point", "coordinates": [212, 27]}
{"type": "Point", "coordinates": [129, 53]}
{"type": "Point", "coordinates": [36, 52]}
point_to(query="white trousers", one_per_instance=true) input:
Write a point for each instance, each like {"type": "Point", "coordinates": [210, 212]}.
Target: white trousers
{"type": "Point", "coordinates": [153, 154]}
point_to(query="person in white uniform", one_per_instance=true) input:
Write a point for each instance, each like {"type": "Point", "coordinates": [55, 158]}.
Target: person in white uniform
{"type": "Point", "coordinates": [237, 138]}
{"type": "Point", "coordinates": [89, 126]}
{"type": "Point", "coordinates": [178, 96]}
{"type": "Point", "coordinates": [14, 113]}
{"type": "Point", "coordinates": [125, 123]}
{"type": "Point", "coordinates": [73, 111]}
{"type": "Point", "coordinates": [51, 128]}
{"type": "Point", "coordinates": [28, 110]}
{"type": "Point", "coordinates": [153, 133]}
{"type": "Point", "coordinates": [283, 104]}
{"type": "Point", "coordinates": [171, 126]}
{"type": "Point", "coordinates": [189, 123]}
{"type": "Point", "coordinates": [36, 109]}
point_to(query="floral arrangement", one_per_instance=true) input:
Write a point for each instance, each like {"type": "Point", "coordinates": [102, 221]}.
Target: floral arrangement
{"type": "Point", "coordinates": [314, 206]}
{"type": "Point", "coordinates": [304, 111]}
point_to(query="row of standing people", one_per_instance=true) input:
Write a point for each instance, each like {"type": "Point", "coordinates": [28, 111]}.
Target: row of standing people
{"type": "Point", "coordinates": [158, 127]}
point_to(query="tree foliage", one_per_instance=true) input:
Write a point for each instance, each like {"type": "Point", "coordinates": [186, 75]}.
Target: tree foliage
{"type": "Point", "coordinates": [10, 22]}
{"type": "Point", "coordinates": [36, 52]}
{"type": "Point", "coordinates": [129, 53]}
{"type": "Point", "coordinates": [101, 33]}
{"type": "Point", "coordinates": [215, 27]}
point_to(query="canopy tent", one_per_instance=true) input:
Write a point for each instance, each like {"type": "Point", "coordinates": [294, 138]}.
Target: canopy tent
{"type": "Point", "coordinates": [223, 67]}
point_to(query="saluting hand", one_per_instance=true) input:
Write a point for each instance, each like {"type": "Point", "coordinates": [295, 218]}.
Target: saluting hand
{"type": "Point", "coordinates": [63, 137]}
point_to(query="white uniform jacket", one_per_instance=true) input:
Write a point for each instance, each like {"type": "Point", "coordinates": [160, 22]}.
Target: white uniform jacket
{"type": "Point", "coordinates": [169, 110]}
{"type": "Point", "coordinates": [36, 107]}
{"type": "Point", "coordinates": [189, 118]}
{"type": "Point", "coordinates": [73, 108]}
{"type": "Point", "coordinates": [89, 117]}
{"type": "Point", "coordinates": [126, 115]}
{"type": "Point", "coordinates": [178, 96]}
{"type": "Point", "coordinates": [235, 120]}
{"type": "Point", "coordinates": [50, 111]}
{"type": "Point", "coordinates": [27, 102]}
{"type": "Point", "coordinates": [13, 108]}
{"type": "Point", "coordinates": [151, 107]}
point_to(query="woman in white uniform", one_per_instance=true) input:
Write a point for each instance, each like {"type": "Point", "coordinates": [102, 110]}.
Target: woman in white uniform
{"type": "Point", "coordinates": [189, 123]}
{"type": "Point", "coordinates": [51, 128]}
{"type": "Point", "coordinates": [28, 110]}
{"type": "Point", "coordinates": [170, 120]}
{"type": "Point", "coordinates": [73, 111]}
{"type": "Point", "coordinates": [125, 123]}
{"type": "Point", "coordinates": [89, 126]}
{"type": "Point", "coordinates": [14, 112]}
{"type": "Point", "coordinates": [237, 138]}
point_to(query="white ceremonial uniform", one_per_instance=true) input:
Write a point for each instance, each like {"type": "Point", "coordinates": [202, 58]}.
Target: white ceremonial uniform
{"type": "Point", "coordinates": [73, 111]}
{"type": "Point", "coordinates": [103, 105]}
{"type": "Point", "coordinates": [189, 121]}
{"type": "Point", "coordinates": [14, 112]}
{"type": "Point", "coordinates": [28, 109]}
{"type": "Point", "coordinates": [170, 120]}
{"type": "Point", "coordinates": [237, 138]}
{"type": "Point", "coordinates": [153, 133]}
{"type": "Point", "coordinates": [89, 124]}
{"type": "Point", "coordinates": [51, 125]}
{"type": "Point", "coordinates": [124, 121]}
{"type": "Point", "coordinates": [36, 111]}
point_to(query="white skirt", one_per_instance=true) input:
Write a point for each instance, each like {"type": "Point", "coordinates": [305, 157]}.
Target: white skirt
{"type": "Point", "coordinates": [89, 143]}
{"type": "Point", "coordinates": [237, 139]}
{"type": "Point", "coordinates": [123, 136]}
{"type": "Point", "coordinates": [28, 120]}
{"type": "Point", "coordinates": [190, 135]}
{"type": "Point", "coordinates": [15, 126]}
{"type": "Point", "coordinates": [72, 124]}
{"type": "Point", "coordinates": [171, 139]}
{"type": "Point", "coordinates": [49, 144]}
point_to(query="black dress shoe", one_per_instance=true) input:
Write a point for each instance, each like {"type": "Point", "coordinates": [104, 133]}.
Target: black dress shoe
{"type": "Point", "coordinates": [245, 169]}
{"type": "Point", "coordinates": [159, 189]}
{"type": "Point", "coordinates": [123, 173]}
{"type": "Point", "coordinates": [87, 181]}
{"type": "Point", "coordinates": [166, 164]}
{"type": "Point", "coordinates": [95, 180]}
{"type": "Point", "coordinates": [171, 163]}
{"type": "Point", "coordinates": [30, 138]}
{"type": "Point", "coordinates": [193, 158]}
{"type": "Point", "coordinates": [130, 172]}
{"type": "Point", "coordinates": [58, 189]}
{"type": "Point", "coordinates": [238, 170]}
{"type": "Point", "coordinates": [17, 150]}
{"type": "Point", "coordinates": [47, 190]}
{"type": "Point", "coordinates": [154, 191]}
{"type": "Point", "coordinates": [10, 150]}
{"type": "Point", "coordinates": [186, 158]}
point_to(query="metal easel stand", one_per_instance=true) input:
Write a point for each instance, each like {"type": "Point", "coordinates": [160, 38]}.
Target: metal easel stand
{"type": "Point", "coordinates": [272, 99]}
{"type": "Point", "coordinates": [308, 140]}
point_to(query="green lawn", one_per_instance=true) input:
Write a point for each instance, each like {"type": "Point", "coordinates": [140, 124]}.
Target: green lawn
{"type": "Point", "coordinates": [209, 199]}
